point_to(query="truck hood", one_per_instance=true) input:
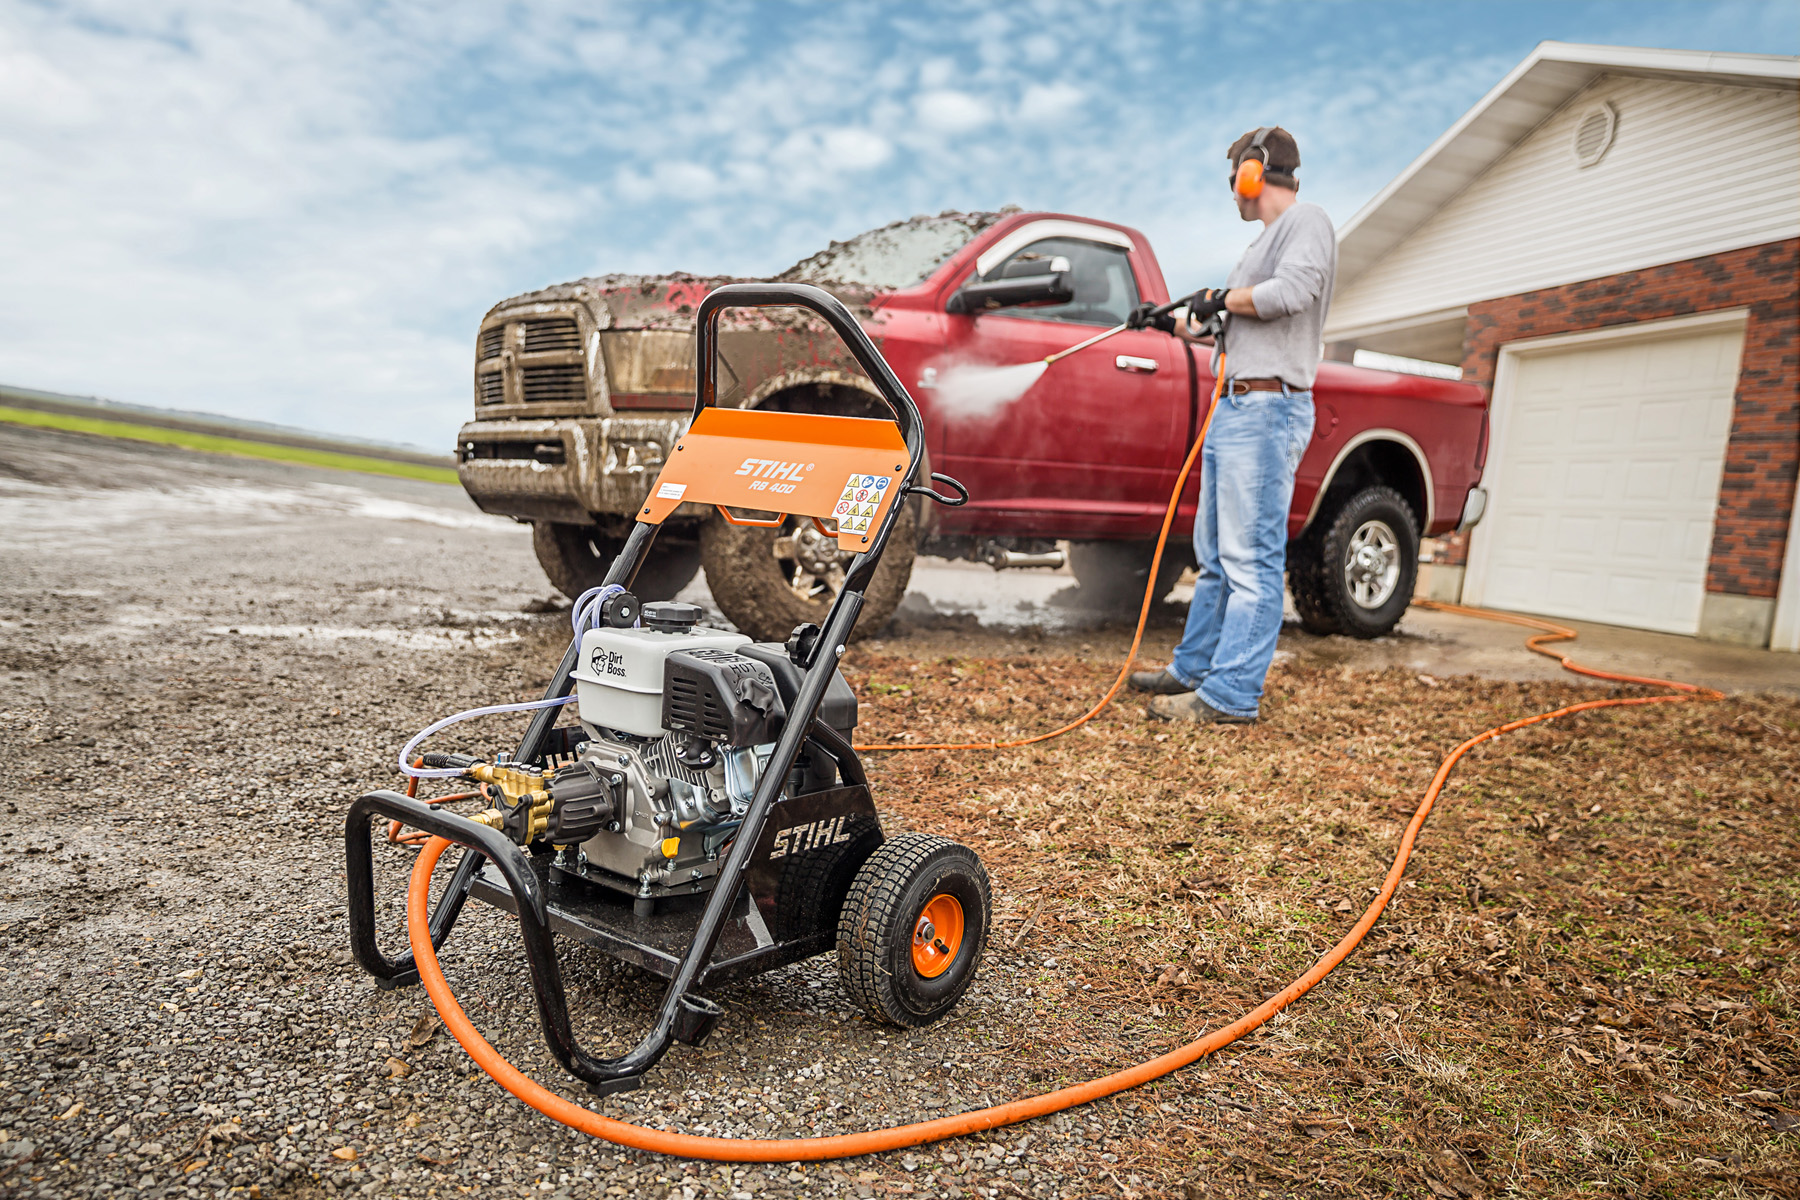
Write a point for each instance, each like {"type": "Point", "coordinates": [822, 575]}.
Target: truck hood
{"type": "Point", "coordinates": [669, 301]}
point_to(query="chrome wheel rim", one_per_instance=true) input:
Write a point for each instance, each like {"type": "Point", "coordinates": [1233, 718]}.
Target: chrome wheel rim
{"type": "Point", "coordinates": [810, 562]}
{"type": "Point", "coordinates": [1372, 564]}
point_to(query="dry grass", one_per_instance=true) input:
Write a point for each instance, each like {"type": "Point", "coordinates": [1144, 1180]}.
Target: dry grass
{"type": "Point", "coordinates": [1585, 985]}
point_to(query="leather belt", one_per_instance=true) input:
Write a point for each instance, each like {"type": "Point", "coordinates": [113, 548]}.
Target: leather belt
{"type": "Point", "coordinates": [1238, 387]}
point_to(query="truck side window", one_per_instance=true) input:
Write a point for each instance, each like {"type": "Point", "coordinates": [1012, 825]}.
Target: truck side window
{"type": "Point", "coordinates": [1105, 292]}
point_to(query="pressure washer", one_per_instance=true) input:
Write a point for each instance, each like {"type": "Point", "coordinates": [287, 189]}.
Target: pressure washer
{"type": "Point", "coordinates": [708, 817]}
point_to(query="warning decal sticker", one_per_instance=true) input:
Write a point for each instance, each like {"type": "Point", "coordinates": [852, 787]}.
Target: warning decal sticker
{"type": "Point", "coordinates": [861, 500]}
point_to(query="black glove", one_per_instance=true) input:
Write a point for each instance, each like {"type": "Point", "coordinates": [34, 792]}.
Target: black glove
{"type": "Point", "coordinates": [1205, 302]}
{"type": "Point", "coordinates": [1145, 316]}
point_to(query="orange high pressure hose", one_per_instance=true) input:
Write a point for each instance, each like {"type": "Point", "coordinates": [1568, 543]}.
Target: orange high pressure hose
{"type": "Point", "coordinates": [898, 1137]}
{"type": "Point", "coordinates": [1137, 637]}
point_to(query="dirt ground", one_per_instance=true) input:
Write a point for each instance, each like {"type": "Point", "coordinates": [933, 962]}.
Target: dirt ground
{"type": "Point", "coordinates": [1586, 984]}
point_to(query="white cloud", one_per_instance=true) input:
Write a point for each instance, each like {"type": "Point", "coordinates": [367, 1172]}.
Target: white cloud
{"type": "Point", "coordinates": [1047, 101]}
{"type": "Point", "coordinates": [857, 149]}
{"type": "Point", "coordinates": [950, 111]}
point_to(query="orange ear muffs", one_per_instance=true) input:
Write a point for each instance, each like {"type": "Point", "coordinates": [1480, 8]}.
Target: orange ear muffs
{"type": "Point", "coordinates": [1249, 181]}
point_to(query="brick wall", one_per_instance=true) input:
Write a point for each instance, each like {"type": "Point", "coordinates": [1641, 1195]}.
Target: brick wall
{"type": "Point", "coordinates": [1757, 491]}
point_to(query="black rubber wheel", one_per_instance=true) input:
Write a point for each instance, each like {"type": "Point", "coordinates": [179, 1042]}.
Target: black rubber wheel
{"type": "Point", "coordinates": [577, 557]}
{"type": "Point", "coordinates": [1306, 585]}
{"type": "Point", "coordinates": [887, 967]}
{"type": "Point", "coordinates": [1111, 574]}
{"type": "Point", "coordinates": [1354, 571]}
{"type": "Point", "coordinates": [769, 580]}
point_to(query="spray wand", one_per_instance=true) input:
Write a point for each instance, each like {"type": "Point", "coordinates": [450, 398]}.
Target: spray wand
{"type": "Point", "coordinates": [1170, 307]}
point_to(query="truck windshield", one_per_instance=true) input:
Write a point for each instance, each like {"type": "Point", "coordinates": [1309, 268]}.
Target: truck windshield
{"type": "Point", "coordinates": [894, 256]}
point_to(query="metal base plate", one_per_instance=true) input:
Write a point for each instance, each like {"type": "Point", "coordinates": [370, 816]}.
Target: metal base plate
{"type": "Point", "coordinates": [605, 919]}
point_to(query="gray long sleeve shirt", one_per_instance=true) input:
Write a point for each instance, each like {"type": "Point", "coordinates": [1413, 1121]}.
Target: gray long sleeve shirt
{"type": "Point", "coordinates": [1290, 270]}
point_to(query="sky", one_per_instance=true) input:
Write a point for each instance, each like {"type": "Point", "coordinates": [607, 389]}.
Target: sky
{"type": "Point", "coordinates": [298, 212]}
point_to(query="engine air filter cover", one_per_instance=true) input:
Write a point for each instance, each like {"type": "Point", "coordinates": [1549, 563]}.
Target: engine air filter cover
{"type": "Point", "coordinates": [721, 696]}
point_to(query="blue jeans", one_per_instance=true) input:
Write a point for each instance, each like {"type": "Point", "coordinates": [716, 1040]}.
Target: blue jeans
{"type": "Point", "coordinates": [1240, 544]}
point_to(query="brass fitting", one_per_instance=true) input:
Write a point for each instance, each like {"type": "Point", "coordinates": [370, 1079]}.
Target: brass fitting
{"type": "Point", "coordinates": [516, 785]}
{"type": "Point", "coordinates": [521, 789]}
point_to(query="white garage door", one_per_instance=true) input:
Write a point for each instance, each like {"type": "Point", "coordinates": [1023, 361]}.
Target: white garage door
{"type": "Point", "coordinates": [1609, 454]}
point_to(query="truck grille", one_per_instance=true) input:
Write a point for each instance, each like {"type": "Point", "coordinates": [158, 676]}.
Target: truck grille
{"type": "Point", "coordinates": [490, 388]}
{"type": "Point", "coordinates": [490, 342]}
{"type": "Point", "coordinates": [554, 383]}
{"type": "Point", "coordinates": [557, 334]}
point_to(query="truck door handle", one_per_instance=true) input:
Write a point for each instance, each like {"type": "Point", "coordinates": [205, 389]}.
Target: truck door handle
{"type": "Point", "coordinates": [1131, 362]}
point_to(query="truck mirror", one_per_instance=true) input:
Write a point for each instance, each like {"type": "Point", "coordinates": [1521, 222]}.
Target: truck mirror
{"type": "Point", "coordinates": [1049, 287]}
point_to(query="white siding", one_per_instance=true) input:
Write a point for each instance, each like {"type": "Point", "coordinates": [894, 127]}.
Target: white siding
{"type": "Point", "coordinates": [1693, 169]}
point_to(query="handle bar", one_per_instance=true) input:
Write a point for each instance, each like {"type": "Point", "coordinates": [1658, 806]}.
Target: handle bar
{"type": "Point", "coordinates": [802, 295]}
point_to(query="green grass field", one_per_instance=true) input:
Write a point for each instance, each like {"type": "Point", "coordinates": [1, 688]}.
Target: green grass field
{"type": "Point", "coordinates": [214, 444]}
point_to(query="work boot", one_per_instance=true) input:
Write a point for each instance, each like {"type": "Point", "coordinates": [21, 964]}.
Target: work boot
{"type": "Point", "coordinates": [1190, 707]}
{"type": "Point", "coordinates": [1158, 683]}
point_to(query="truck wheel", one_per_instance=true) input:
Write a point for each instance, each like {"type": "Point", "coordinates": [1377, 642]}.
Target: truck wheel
{"type": "Point", "coordinates": [1305, 583]}
{"type": "Point", "coordinates": [577, 557]}
{"type": "Point", "coordinates": [1111, 574]}
{"type": "Point", "coordinates": [913, 928]}
{"type": "Point", "coordinates": [769, 580]}
{"type": "Point", "coordinates": [1356, 574]}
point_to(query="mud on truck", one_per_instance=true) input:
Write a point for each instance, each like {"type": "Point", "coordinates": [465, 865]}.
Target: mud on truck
{"type": "Point", "coordinates": [582, 389]}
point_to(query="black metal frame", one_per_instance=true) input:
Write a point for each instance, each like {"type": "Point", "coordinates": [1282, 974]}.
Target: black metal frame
{"type": "Point", "coordinates": [682, 1014]}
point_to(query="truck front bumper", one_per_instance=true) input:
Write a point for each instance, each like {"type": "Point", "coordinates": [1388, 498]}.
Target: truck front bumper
{"type": "Point", "coordinates": [569, 469]}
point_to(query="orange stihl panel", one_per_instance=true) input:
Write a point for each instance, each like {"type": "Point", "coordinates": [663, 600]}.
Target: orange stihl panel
{"type": "Point", "coordinates": [846, 471]}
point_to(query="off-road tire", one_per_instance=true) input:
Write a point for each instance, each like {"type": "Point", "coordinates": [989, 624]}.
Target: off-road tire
{"type": "Point", "coordinates": [1319, 564]}
{"type": "Point", "coordinates": [1305, 584]}
{"type": "Point", "coordinates": [875, 929]}
{"type": "Point", "coordinates": [1113, 574]}
{"type": "Point", "coordinates": [577, 557]}
{"type": "Point", "coordinates": [748, 584]}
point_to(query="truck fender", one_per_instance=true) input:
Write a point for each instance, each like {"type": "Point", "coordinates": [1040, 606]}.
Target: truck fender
{"type": "Point", "coordinates": [1420, 489]}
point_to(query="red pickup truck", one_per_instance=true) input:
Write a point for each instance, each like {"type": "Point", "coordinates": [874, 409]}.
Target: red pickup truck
{"type": "Point", "coordinates": [581, 389]}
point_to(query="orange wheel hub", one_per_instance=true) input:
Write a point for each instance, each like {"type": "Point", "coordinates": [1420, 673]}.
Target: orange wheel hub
{"type": "Point", "coordinates": [937, 935]}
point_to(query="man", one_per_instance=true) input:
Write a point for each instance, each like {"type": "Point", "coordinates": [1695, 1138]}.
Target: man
{"type": "Point", "coordinates": [1274, 304]}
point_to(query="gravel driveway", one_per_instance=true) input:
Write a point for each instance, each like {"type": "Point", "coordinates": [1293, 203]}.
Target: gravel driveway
{"type": "Point", "coordinates": [204, 660]}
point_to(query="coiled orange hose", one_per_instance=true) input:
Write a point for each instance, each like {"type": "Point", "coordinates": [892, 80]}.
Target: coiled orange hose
{"type": "Point", "coordinates": [898, 1137]}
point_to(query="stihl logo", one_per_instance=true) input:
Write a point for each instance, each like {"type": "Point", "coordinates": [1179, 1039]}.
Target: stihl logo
{"type": "Point", "coordinates": [770, 468]}
{"type": "Point", "coordinates": [802, 838]}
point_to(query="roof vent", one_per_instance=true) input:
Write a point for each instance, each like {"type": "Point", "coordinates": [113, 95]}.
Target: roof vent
{"type": "Point", "coordinates": [1595, 134]}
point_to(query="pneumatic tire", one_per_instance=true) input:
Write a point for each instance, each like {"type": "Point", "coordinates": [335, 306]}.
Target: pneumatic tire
{"type": "Point", "coordinates": [915, 886]}
{"type": "Point", "coordinates": [1354, 572]}
{"type": "Point", "coordinates": [1306, 585]}
{"type": "Point", "coordinates": [766, 581]}
{"type": "Point", "coordinates": [577, 557]}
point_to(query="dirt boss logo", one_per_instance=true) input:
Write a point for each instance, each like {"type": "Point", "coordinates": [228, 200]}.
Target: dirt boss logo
{"type": "Point", "coordinates": [770, 468]}
{"type": "Point", "coordinates": [810, 836]}
{"type": "Point", "coordinates": [607, 662]}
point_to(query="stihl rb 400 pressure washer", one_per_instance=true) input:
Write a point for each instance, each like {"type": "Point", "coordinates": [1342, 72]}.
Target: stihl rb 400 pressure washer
{"type": "Point", "coordinates": [707, 818]}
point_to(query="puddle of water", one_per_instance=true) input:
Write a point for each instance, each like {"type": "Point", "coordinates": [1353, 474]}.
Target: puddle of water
{"type": "Point", "coordinates": [1014, 599]}
{"type": "Point", "coordinates": [37, 514]}
{"type": "Point", "coordinates": [409, 639]}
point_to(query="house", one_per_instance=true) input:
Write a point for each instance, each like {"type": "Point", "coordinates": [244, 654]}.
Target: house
{"type": "Point", "coordinates": [1609, 243]}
